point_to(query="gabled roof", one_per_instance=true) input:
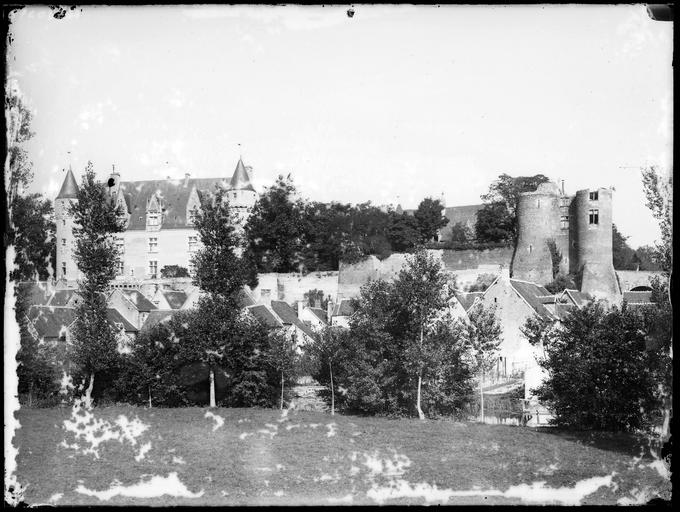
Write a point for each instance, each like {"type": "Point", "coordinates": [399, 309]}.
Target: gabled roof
{"type": "Point", "coordinates": [139, 300]}
{"type": "Point", "coordinates": [245, 299]}
{"type": "Point", "coordinates": [175, 298]}
{"type": "Point", "coordinates": [240, 180]}
{"type": "Point", "coordinates": [577, 297]}
{"type": "Point", "coordinates": [343, 308]}
{"type": "Point", "coordinates": [467, 299]}
{"type": "Point", "coordinates": [69, 189]}
{"type": "Point", "coordinates": [320, 314]}
{"type": "Point", "coordinates": [61, 297]}
{"type": "Point", "coordinates": [266, 317]}
{"type": "Point", "coordinates": [157, 316]}
{"type": "Point", "coordinates": [51, 322]}
{"type": "Point", "coordinates": [638, 297]}
{"type": "Point", "coordinates": [288, 316]}
{"type": "Point", "coordinates": [531, 292]}
{"type": "Point", "coordinates": [114, 317]}
{"type": "Point", "coordinates": [38, 293]}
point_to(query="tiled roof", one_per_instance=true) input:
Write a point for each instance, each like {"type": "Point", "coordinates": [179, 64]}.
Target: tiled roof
{"type": "Point", "coordinates": [320, 314]}
{"type": "Point", "coordinates": [139, 300]}
{"type": "Point", "coordinates": [638, 297]}
{"type": "Point", "coordinates": [343, 308]}
{"type": "Point", "coordinates": [245, 299]}
{"type": "Point", "coordinates": [69, 189]}
{"type": "Point", "coordinates": [531, 292]}
{"type": "Point", "coordinates": [114, 317]}
{"type": "Point", "coordinates": [38, 293]}
{"type": "Point", "coordinates": [61, 297]}
{"type": "Point", "coordinates": [289, 317]}
{"type": "Point", "coordinates": [466, 299]}
{"type": "Point", "coordinates": [157, 316]}
{"type": "Point", "coordinates": [266, 317]}
{"type": "Point", "coordinates": [175, 298]}
{"type": "Point", "coordinates": [51, 322]}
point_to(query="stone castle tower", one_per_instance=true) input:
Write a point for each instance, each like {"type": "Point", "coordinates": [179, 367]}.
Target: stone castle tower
{"type": "Point", "coordinates": [580, 227]}
{"type": "Point", "coordinates": [66, 265]}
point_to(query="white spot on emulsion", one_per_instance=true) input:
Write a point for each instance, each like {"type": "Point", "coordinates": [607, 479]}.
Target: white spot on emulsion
{"type": "Point", "coordinates": [345, 499]}
{"type": "Point", "coordinates": [55, 497]}
{"type": "Point", "coordinates": [152, 488]}
{"type": "Point", "coordinates": [331, 429]}
{"type": "Point", "coordinates": [219, 421]}
{"type": "Point", "coordinates": [143, 451]}
{"type": "Point", "coordinates": [244, 435]}
{"type": "Point", "coordinates": [178, 460]}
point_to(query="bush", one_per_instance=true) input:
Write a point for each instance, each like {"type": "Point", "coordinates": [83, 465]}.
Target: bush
{"type": "Point", "coordinates": [601, 374]}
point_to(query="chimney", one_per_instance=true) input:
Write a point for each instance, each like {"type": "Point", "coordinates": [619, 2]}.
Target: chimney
{"type": "Point", "coordinates": [300, 308]}
{"type": "Point", "coordinates": [562, 187]}
{"type": "Point", "coordinates": [186, 179]}
{"type": "Point", "coordinates": [329, 311]}
{"type": "Point", "coordinates": [265, 296]}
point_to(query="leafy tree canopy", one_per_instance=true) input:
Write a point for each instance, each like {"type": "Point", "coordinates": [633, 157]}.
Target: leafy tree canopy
{"type": "Point", "coordinates": [430, 218]}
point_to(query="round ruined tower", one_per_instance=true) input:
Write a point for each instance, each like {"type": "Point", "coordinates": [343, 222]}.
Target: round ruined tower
{"type": "Point", "coordinates": [538, 221]}
{"type": "Point", "coordinates": [592, 210]}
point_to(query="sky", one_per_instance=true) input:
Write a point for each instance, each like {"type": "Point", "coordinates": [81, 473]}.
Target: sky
{"type": "Point", "coordinates": [391, 105]}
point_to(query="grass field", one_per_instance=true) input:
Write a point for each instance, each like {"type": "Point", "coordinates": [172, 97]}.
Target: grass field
{"type": "Point", "coordinates": [196, 456]}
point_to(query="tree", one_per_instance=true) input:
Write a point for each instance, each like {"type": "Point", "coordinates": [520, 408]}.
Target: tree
{"type": "Point", "coordinates": [484, 337]}
{"type": "Point", "coordinates": [33, 238]}
{"type": "Point", "coordinates": [283, 357]}
{"type": "Point", "coordinates": [495, 223]}
{"type": "Point", "coordinates": [325, 351]}
{"type": "Point", "coordinates": [18, 132]}
{"type": "Point", "coordinates": [590, 358]}
{"type": "Point", "coordinates": [623, 257]}
{"type": "Point", "coordinates": [274, 229]}
{"type": "Point", "coordinates": [220, 272]}
{"type": "Point", "coordinates": [461, 233]}
{"type": "Point", "coordinates": [169, 271]}
{"type": "Point", "coordinates": [430, 219]}
{"type": "Point", "coordinates": [96, 220]}
{"type": "Point", "coordinates": [404, 232]}
{"type": "Point", "coordinates": [555, 257]}
{"type": "Point", "coordinates": [505, 190]}
{"type": "Point", "coordinates": [562, 282]}
{"type": "Point", "coordinates": [659, 193]}
{"type": "Point", "coordinates": [646, 255]}
{"type": "Point", "coordinates": [424, 290]}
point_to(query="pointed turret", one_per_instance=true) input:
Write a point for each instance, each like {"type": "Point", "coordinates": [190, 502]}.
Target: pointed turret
{"type": "Point", "coordinates": [240, 180]}
{"type": "Point", "coordinates": [69, 189]}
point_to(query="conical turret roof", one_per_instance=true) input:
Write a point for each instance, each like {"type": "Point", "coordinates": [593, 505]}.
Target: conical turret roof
{"type": "Point", "coordinates": [240, 179]}
{"type": "Point", "coordinates": [69, 189]}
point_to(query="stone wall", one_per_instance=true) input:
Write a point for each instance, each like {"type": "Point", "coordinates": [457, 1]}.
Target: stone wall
{"type": "Point", "coordinates": [293, 287]}
{"type": "Point", "coordinates": [472, 259]}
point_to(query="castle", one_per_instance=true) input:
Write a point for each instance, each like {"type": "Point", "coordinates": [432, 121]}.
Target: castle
{"type": "Point", "coordinates": [157, 215]}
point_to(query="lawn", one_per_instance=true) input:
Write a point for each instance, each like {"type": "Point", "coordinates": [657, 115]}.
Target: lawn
{"type": "Point", "coordinates": [197, 456]}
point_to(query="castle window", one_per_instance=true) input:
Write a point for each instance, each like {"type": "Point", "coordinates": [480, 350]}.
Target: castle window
{"type": "Point", "coordinates": [531, 248]}
{"type": "Point", "coordinates": [538, 203]}
{"type": "Point", "coordinates": [152, 219]}
{"type": "Point", "coordinates": [564, 222]}
{"type": "Point", "coordinates": [119, 267]}
{"type": "Point", "coordinates": [192, 215]}
{"type": "Point", "coordinates": [63, 242]}
{"type": "Point", "coordinates": [63, 268]}
{"type": "Point", "coordinates": [153, 244]}
{"type": "Point", "coordinates": [63, 222]}
{"type": "Point", "coordinates": [593, 216]}
{"type": "Point", "coordinates": [153, 268]}
{"type": "Point", "coordinates": [132, 272]}
{"type": "Point", "coordinates": [193, 242]}
{"type": "Point", "coordinates": [120, 246]}
{"type": "Point", "coordinates": [593, 197]}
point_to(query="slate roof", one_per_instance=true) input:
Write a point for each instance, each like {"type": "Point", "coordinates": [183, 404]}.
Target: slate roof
{"type": "Point", "coordinates": [320, 314]}
{"type": "Point", "coordinates": [61, 297]}
{"type": "Point", "coordinates": [175, 298]}
{"type": "Point", "coordinates": [51, 322]}
{"type": "Point", "coordinates": [240, 179]}
{"type": "Point", "coordinates": [343, 308]}
{"type": "Point", "coordinates": [157, 316]}
{"type": "Point", "coordinates": [37, 292]}
{"type": "Point", "coordinates": [533, 294]}
{"type": "Point", "coordinates": [467, 215]}
{"type": "Point", "coordinates": [139, 300]}
{"type": "Point", "coordinates": [467, 299]}
{"type": "Point", "coordinates": [266, 317]}
{"type": "Point", "coordinates": [245, 299]}
{"type": "Point", "coordinates": [638, 297]}
{"type": "Point", "coordinates": [114, 317]}
{"type": "Point", "coordinates": [288, 316]}
{"type": "Point", "coordinates": [69, 189]}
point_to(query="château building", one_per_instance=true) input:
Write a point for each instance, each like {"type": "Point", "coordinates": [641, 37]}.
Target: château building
{"type": "Point", "coordinates": [158, 219]}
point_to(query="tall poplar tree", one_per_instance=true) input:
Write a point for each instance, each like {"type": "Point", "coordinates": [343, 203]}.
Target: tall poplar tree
{"type": "Point", "coordinates": [94, 346]}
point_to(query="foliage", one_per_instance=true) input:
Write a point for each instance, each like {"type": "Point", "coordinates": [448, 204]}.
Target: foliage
{"type": "Point", "coordinates": [404, 232]}
{"type": "Point", "coordinates": [482, 282]}
{"type": "Point", "coordinates": [623, 256]}
{"type": "Point", "coordinates": [591, 358]}
{"type": "Point", "coordinates": [646, 255]}
{"type": "Point", "coordinates": [283, 358]}
{"type": "Point", "coordinates": [377, 362]}
{"type": "Point", "coordinates": [18, 118]}
{"type": "Point", "coordinates": [555, 257]}
{"type": "Point", "coordinates": [169, 271]}
{"type": "Point", "coordinates": [315, 299]}
{"type": "Point", "coordinates": [461, 233]}
{"type": "Point", "coordinates": [562, 282]}
{"type": "Point", "coordinates": [468, 246]}
{"type": "Point", "coordinates": [429, 218]}
{"type": "Point", "coordinates": [495, 223]}
{"type": "Point", "coordinates": [483, 333]}
{"type": "Point", "coordinates": [659, 193]}
{"type": "Point", "coordinates": [33, 238]}
{"type": "Point", "coordinates": [500, 223]}
{"type": "Point", "coordinates": [274, 229]}
{"type": "Point", "coordinates": [94, 343]}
